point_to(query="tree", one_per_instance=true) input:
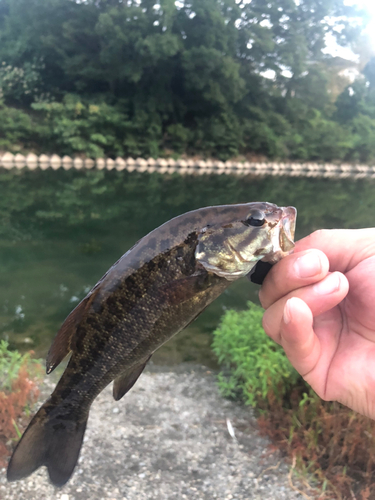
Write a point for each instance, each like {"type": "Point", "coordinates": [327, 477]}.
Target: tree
{"type": "Point", "coordinates": [187, 75]}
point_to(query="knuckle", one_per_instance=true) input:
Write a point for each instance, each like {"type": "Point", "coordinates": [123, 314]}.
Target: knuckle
{"type": "Point", "coordinates": [262, 298]}
{"type": "Point", "coordinates": [266, 324]}
{"type": "Point", "coordinates": [320, 234]}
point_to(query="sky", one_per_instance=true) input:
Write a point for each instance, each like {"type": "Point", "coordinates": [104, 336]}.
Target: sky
{"type": "Point", "coordinates": [345, 52]}
{"type": "Point", "coordinates": [368, 5]}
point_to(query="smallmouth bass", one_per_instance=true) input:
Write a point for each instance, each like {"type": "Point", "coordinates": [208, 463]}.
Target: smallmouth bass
{"type": "Point", "coordinates": [151, 293]}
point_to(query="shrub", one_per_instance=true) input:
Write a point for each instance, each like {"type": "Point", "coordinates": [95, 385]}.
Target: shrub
{"type": "Point", "coordinates": [20, 84]}
{"type": "Point", "coordinates": [19, 391]}
{"type": "Point", "coordinates": [363, 131]}
{"type": "Point", "coordinates": [329, 443]}
{"type": "Point", "coordinates": [254, 366]}
{"type": "Point", "coordinates": [74, 126]}
{"type": "Point", "coordinates": [18, 131]}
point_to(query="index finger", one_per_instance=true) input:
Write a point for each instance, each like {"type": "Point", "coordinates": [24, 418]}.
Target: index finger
{"type": "Point", "coordinates": [345, 248]}
{"type": "Point", "coordinates": [292, 272]}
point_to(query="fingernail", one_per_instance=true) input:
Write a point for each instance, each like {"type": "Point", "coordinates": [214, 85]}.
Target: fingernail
{"type": "Point", "coordinates": [286, 314]}
{"type": "Point", "coordinates": [308, 265]}
{"type": "Point", "coordinates": [329, 285]}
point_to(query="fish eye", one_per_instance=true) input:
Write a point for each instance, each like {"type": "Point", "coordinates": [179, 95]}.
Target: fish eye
{"type": "Point", "coordinates": [255, 219]}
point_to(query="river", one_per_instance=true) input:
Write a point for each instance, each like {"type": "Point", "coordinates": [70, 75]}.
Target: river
{"type": "Point", "coordinates": [61, 230]}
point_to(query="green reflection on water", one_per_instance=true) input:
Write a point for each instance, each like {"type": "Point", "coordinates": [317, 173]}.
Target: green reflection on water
{"type": "Point", "coordinates": [60, 231]}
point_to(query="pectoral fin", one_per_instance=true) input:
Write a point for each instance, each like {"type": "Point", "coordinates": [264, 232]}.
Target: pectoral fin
{"type": "Point", "coordinates": [125, 382]}
{"type": "Point", "coordinates": [61, 345]}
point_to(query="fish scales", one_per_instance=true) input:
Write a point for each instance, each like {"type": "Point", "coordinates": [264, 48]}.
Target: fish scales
{"type": "Point", "coordinates": [151, 293]}
{"type": "Point", "coordinates": [134, 311]}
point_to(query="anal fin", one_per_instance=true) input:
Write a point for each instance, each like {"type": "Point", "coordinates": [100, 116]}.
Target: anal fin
{"type": "Point", "coordinates": [123, 383]}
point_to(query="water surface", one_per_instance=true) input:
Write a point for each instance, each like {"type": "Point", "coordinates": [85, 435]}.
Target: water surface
{"type": "Point", "coordinates": [60, 231]}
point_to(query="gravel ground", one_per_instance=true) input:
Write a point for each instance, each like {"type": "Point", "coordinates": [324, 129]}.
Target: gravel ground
{"type": "Point", "coordinates": [167, 440]}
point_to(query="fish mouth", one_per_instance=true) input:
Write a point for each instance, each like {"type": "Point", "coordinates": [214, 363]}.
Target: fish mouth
{"type": "Point", "coordinates": [287, 229]}
{"type": "Point", "coordinates": [283, 236]}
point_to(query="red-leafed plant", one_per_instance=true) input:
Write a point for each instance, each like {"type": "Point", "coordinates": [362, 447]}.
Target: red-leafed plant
{"type": "Point", "coordinates": [18, 392]}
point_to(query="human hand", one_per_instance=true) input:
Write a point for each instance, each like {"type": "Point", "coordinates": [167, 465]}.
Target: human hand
{"type": "Point", "coordinates": [320, 306]}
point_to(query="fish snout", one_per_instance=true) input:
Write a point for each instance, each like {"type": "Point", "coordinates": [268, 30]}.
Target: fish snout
{"type": "Point", "coordinates": [287, 229]}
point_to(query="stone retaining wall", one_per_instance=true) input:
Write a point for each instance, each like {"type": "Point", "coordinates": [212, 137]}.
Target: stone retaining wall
{"type": "Point", "coordinates": [32, 161]}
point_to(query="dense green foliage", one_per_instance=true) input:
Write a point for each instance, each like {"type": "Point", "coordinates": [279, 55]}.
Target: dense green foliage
{"type": "Point", "coordinates": [253, 365]}
{"type": "Point", "coordinates": [151, 77]}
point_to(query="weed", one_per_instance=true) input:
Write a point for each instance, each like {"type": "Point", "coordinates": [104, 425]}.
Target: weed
{"type": "Point", "coordinates": [253, 365]}
{"type": "Point", "coordinates": [18, 381]}
{"type": "Point", "coordinates": [329, 444]}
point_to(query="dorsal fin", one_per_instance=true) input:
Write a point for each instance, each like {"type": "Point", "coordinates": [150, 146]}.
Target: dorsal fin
{"type": "Point", "coordinates": [61, 345]}
{"type": "Point", "coordinates": [123, 383]}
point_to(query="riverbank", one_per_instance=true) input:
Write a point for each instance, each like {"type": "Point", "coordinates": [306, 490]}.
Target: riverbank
{"type": "Point", "coordinates": [167, 439]}
{"type": "Point", "coordinates": [193, 165]}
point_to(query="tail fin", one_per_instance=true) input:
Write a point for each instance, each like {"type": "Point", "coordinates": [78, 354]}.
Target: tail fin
{"type": "Point", "coordinates": [52, 442]}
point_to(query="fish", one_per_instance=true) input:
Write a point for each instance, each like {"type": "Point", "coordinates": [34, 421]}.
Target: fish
{"type": "Point", "coordinates": [151, 293]}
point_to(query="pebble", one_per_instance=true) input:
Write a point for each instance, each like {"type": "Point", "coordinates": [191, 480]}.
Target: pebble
{"type": "Point", "coordinates": [174, 444]}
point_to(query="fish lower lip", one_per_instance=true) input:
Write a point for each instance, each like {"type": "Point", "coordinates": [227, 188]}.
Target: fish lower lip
{"type": "Point", "coordinates": [289, 222]}
{"type": "Point", "coordinates": [287, 229]}
{"type": "Point", "coordinates": [285, 241]}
